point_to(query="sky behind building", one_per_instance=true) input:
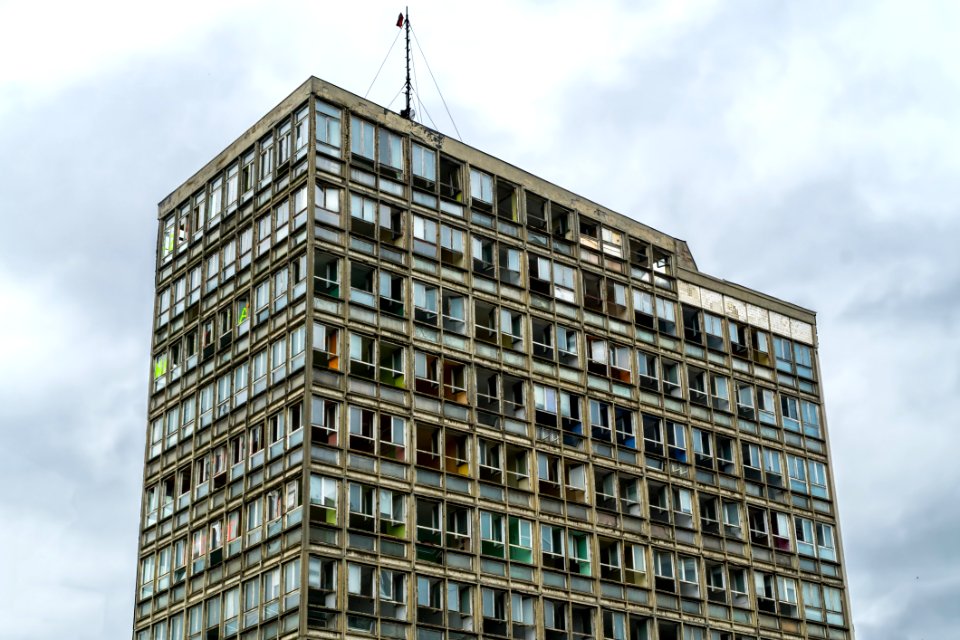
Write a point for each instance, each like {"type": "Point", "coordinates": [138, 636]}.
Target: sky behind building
{"type": "Point", "coordinates": [807, 150]}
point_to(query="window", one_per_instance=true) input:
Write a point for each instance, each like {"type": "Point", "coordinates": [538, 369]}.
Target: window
{"type": "Point", "coordinates": [424, 163]}
{"type": "Point", "coordinates": [780, 528]}
{"type": "Point", "coordinates": [803, 358]}
{"type": "Point", "coordinates": [773, 466]}
{"type": "Point", "coordinates": [806, 543]}
{"type": "Point", "coordinates": [392, 287]}
{"type": "Point", "coordinates": [616, 297]}
{"type": "Point", "coordinates": [481, 186]}
{"type": "Point", "coordinates": [612, 242]}
{"type": "Point", "coordinates": [223, 395]}
{"type": "Point", "coordinates": [278, 359]}
{"type": "Point", "coordinates": [484, 255]}
{"type": "Point", "coordinates": [663, 566]}
{"type": "Point", "coordinates": [491, 534]}
{"type": "Point", "coordinates": [362, 358]}
{"type": "Point", "coordinates": [322, 576]}
{"type": "Point", "coordinates": [391, 150]}
{"type": "Point", "coordinates": [424, 236]}
{"type": "Point", "coordinates": [328, 199]}
{"type": "Point", "coordinates": [492, 605]}
{"type": "Point", "coordinates": [240, 379]}
{"type": "Point", "coordinates": [666, 316]}
{"type": "Point", "coordinates": [580, 554]}
{"type": "Point", "coordinates": [826, 547]}
{"type": "Point", "coordinates": [751, 461]}
{"type": "Point", "coordinates": [812, 602]}
{"type": "Point", "coordinates": [362, 208]}
{"type": "Point", "coordinates": [783, 350]}
{"type": "Point", "coordinates": [326, 274]}
{"type": "Point", "coordinates": [216, 201]}
{"type": "Point", "coordinates": [720, 392]}
{"type": "Point", "coordinates": [425, 302]}
{"type": "Point", "coordinates": [713, 327]}
{"type": "Point", "coordinates": [459, 527]}
{"type": "Point", "coordinates": [687, 572]}
{"type": "Point", "coordinates": [393, 513]}
{"type": "Point", "coordinates": [328, 128]}
{"type": "Point", "coordinates": [283, 143]}
{"type": "Point", "coordinates": [521, 610]}
{"type": "Point", "coordinates": [677, 441]}
{"type": "Point", "coordinates": [521, 540]}
{"type": "Point", "coordinates": [509, 265]}
{"type": "Point", "coordinates": [426, 373]}
{"type": "Point", "coordinates": [811, 419]}
{"type": "Point", "coordinates": [683, 507]}
{"type": "Point", "coordinates": [567, 348]}
{"type": "Point", "coordinates": [362, 134]}
{"type": "Point", "coordinates": [600, 420]}
{"type": "Point", "coordinates": [323, 494]}
{"type": "Point", "coordinates": [833, 600]}
{"type": "Point", "coordinates": [818, 479]}
{"type": "Point", "coordinates": [393, 437]}
{"type": "Point", "coordinates": [790, 412]}
{"type": "Point", "coordinates": [452, 244]}
{"type": "Point", "coordinates": [787, 595]}
{"type": "Point", "coordinates": [643, 308]}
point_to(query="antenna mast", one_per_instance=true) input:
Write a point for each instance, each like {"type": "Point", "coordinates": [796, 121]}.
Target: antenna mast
{"type": "Point", "coordinates": [408, 112]}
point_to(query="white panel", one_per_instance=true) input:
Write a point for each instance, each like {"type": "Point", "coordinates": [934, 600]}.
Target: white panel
{"type": "Point", "coordinates": [779, 324]}
{"type": "Point", "coordinates": [801, 331]}
{"type": "Point", "coordinates": [689, 293]}
{"type": "Point", "coordinates": [735, 308]}
{"type": "Point", "coordinates": [712, 300]}
{"type": "Point", "coordinates": [758, 317]}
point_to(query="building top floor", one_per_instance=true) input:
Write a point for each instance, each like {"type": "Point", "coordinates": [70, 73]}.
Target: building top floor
{"type": "Point", "coordinates": [288, 124]}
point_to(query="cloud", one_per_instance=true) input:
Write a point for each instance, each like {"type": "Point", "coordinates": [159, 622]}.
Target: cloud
{"type": "Point", "coordinates": [806, 151]}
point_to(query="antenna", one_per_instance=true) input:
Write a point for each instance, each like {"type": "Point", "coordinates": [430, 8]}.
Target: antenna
{"type": "Point", "coordinates": [404, 20]}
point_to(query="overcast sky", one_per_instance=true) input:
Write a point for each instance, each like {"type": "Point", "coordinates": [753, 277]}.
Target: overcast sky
{"type": "Point", "coordinates": [806, 149]}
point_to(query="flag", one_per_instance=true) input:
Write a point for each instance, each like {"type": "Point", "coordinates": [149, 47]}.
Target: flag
{"type": "Point", "coordinates": [400, 20]}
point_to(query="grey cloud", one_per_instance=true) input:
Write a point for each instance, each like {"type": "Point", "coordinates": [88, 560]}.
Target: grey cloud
{"type": "Point", "coordinates": [864, 236]}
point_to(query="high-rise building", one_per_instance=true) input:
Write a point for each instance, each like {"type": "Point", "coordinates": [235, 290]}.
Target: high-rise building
{"type": "Point", "coordinates": [403, 389]}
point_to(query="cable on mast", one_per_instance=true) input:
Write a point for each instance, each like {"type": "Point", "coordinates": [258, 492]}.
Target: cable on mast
{"type": "Point", "coordinates": [447, 109]}
{"type": "Point", "coordinates": [392, 45]}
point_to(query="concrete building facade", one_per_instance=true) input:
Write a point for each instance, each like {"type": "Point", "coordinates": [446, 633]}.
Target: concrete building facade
{"type": "Point", "coordinates": [403, 389]}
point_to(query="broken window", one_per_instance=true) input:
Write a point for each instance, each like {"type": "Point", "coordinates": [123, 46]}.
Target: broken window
{"type": "Point", "coordinates": [392, 287]}
{"type": "Point", "coordinates": [454, 312]}
{"type": "Point", "coordinates": [362, 278]}
{"type": "Point", "coordinates": [612, 242]}
{"type": "Point", "coordinates": [484, 252]}
{"type": "Point", "coordinates": [326, 274]}
{"type": "Point", "coordinates": [454, 381]}
{"type": "Point", "coordinates": [450, 179]}
{"type": "Point", "coordinates": [362, 359]}
{"type": "Point", "coordinates": [427, 373]}
{"type": "Point", "coordinates": [507, 201]}
{"type": "Point", "coordinates": [509, 264]}
{"type": "Point", "coordinates": [425, 303]}
{"type": "Point", "coordinates": [536, 212]}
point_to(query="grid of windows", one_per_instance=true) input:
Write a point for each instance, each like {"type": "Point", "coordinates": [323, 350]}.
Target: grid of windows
{"type": "Point", "coordinates": [495, 383]}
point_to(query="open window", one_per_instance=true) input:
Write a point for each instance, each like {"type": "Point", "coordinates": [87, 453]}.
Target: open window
{"type": "Point", "coordinates": [451, 179]}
